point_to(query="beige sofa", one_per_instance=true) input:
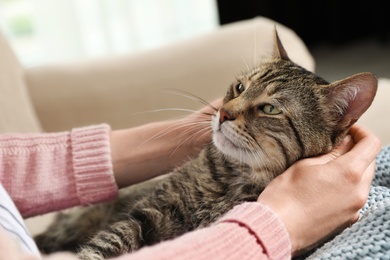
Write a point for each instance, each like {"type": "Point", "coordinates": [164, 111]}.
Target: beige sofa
{"type": "Point", "coordinates": [118, 89]}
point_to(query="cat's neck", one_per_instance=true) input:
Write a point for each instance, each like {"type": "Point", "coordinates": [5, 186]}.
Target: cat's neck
{"type": "Point", "coordinates": [235, 172]}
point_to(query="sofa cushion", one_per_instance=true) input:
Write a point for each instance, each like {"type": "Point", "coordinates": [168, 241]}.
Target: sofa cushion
{"type": "Point", "coordinates": [115, 89]}
{"type": "Point", "coordinates": [16, 111]}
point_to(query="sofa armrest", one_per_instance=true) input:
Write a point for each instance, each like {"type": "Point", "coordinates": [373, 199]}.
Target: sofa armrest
{"type": "Point", "coordinates": [114, 89]}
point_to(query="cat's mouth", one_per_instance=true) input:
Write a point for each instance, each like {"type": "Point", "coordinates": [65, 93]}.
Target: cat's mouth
{"type": "Point", "coordinates": [226, 138]}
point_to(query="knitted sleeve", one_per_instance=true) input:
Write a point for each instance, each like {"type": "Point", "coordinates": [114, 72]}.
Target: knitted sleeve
{"type": "Point", "coordinates": [52, 171]}
{"type": "Point", "coordinates": [249, 231]}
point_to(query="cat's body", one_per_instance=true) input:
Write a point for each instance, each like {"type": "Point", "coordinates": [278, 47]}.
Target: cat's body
{"type": "Point", "coordinates": [272, 116]}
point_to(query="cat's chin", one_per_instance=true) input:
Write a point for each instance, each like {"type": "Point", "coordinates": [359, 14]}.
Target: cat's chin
{"type": "Point", "coordinates": [230, 149]}
{"type": "Point", "coordinates": [224, 144]}
{"type": "Point", "coordinates": [227, 141]}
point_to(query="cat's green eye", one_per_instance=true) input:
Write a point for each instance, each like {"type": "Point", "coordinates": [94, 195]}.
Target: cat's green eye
{"type": "Point", "coordinates": [240, 88]}
{"type": "Point", "coordinates": [271, 110]}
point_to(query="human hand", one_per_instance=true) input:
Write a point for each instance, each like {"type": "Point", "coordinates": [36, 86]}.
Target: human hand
{"type": "Point", "coordinates": [144, 152]}
{"type": "Point", "coordinates": [318, 197]}
{"type": "Point", "coordinates": [199, 123]}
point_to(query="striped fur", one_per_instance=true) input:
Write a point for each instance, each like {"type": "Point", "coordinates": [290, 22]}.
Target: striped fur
{"type": "Point", "coordinates": [250, 147]}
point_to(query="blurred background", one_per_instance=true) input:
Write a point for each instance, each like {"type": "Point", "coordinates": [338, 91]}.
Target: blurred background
{"type": "Point", "coordinates": [43, 31]}
{"type": "Point", "coordinates": [345, 37]}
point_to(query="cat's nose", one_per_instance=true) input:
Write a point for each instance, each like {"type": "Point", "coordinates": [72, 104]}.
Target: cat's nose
{"type": "Point", "coordinates": [224, 116]}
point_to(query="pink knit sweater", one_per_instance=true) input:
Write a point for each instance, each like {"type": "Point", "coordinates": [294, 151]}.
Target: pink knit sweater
{"type": "Point", "coordinates": [48, 172]}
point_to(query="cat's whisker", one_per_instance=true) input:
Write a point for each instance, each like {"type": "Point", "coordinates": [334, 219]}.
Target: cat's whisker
{"type": "Point", "coordinates": [246, 63]}
{"type": "Point", "coordinates": [239, 158]}
{"type": "Point", "coordinates": [185, 123]}
{"type": "Point", "coordinates": [208, 130]}
{"type": "Point", "coordinates": [191, 125]}
{"type": "Point", "coordinates": [167, 109]}
{"type": "Point", "coordinates": [187, 139]}
{"type": "Point", "coordinates": [191, 96]}
{"type": "Point", "coordinates": [258, 159]}
{"type": "Point", "coordinates": [161, 134]}
{"type": "Point", "coordinates": [192, 111]}
{"type": "Point", "coordinates": [254, 45]}
{"type": "Point", "coordinates": [256, 156]}
{"type": "Point", "coordinates": [172, 128]}
{"type": "Point", "coordinates": [221, 159]}
{"type": "Point", "coordinates": [242, 157]}
{"type": "Point", "coordinates": [185, 133]}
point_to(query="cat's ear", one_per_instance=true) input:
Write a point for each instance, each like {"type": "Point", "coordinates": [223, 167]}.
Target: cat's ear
{"type": "Point", "coordinates": [352, 96]}
{"type": "Point", "coordinates": [279, 51]}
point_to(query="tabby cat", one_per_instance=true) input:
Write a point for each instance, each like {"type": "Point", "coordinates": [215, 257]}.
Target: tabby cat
{"type": "Point", "coordinates": [271, 117]}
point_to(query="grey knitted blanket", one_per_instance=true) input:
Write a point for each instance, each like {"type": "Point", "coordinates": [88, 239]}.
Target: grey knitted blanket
{"type": "Point", "coordinates": [369, 238]}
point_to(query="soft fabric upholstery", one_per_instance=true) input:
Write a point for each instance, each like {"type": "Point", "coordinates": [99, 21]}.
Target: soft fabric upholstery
{"type": "Point", "coordinates": [115, 89]}
{"type": "Point", "coordinates": [16, 111]}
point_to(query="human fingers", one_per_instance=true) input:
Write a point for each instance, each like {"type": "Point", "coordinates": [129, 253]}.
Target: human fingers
{"type": "Point", "coordinates": [366, 180]}
{"type": "Point", "coordinates": [368, 146]}
{"type": "Point", "coordinates": [364, 152]}
{"type": "Point", "coordinates": [217, 103]}
{"type": "Point", "coordinates": [359, 132]}
{"type": "Point", "coordinates": [345, 145]}
{"type": "Point", "coordinates": [367, 177]}
{"type": "Point", "coordinates": [204, 113]}
{"type": "Point", "coordinates": [212, 106]}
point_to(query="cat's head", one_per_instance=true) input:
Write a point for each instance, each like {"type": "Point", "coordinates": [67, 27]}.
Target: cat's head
{"type": "Point", "coordinates": [279, 112]}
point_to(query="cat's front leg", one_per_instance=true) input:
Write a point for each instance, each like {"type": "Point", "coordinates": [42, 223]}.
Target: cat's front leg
{"type": "Point", "coordinates": [119, 238]}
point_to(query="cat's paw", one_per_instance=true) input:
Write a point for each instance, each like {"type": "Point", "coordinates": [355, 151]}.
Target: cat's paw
{"type": "Point", "coordinates": [51, 242]}
{"type": "Point", "coordinates": [47, 243]}
{"type": "Point", "coordinates": [88, 254]}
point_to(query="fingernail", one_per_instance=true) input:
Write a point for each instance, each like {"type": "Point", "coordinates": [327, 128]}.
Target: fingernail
{"type": "Point", "coordinates": [345, 140]}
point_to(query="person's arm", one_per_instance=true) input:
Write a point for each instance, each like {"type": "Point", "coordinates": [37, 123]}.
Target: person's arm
{"type": "Point", "coordinates": [51, 171]}
{"type": "Point", "coordinates": [150, 150]}
{"type": "Point", "coordinates": [249, 231]}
